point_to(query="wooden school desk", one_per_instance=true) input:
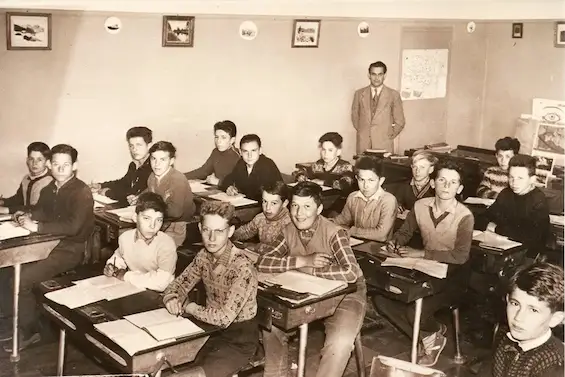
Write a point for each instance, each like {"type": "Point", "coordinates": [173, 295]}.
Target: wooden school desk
{"type": "Point", "coordinates": [16, 251]}
{"type": "Point", "coordinates": [78, 324]}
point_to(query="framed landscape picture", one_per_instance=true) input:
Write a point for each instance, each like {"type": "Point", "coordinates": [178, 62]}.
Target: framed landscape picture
{"type": "Point", "coordinates": [178, 31]}
{"type": "Point", "coordinates": [28, 31]}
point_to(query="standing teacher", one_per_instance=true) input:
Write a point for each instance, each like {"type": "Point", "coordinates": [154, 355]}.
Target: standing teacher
{"type": "Point", "coordinates": [377, 112]}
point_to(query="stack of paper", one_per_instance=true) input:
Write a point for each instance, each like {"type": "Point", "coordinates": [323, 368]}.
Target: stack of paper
{"type": "Point", "coordinates": [128, 336]}
{"type": "Point", "coordinates": [76, 296]}
{"type": "Point", "coordinates": [125, 214]}
{"type": "Point", "coordinates": [7, 217]}
{"type": "Point", "coordinates": [198, 186]}
{"type": "Point", "coordinates": [110, 287]}
{"type": "Point", "coordinates": [483, 201]}
{"type": "Point", "coordinates": [103, 199]}
{"type": "Point", "coordinates": [557, 219]}
{"type": "Point", "coordinates": [10, 229]}
{"type": "Point", "coordinates": [429, 267]}
{"type": "Point", "coordinates": [162, 325]}
{"type": "Point", "coordinates": [236, 200]}
{"type": "Point", "coordinates": [324, 188]}
{"type": "Point", "coordinates": [301, 282]}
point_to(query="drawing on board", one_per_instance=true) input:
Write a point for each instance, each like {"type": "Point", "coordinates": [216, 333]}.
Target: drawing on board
{"type": "Point", "coordinates": [424, 74]}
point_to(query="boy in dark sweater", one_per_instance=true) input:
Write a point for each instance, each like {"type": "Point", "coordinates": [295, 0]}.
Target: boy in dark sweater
{"type": "Point", "coordinates": [65, 208]}
{"type": "Point", "coordinates": [223, 158]}
{"type": "Point", "coordinates": [38, 155]}
{"type": "Point", "coordinates": [534, 307]}
{"type": "Point", "coordinates": [520, 211]}
{"type": "Point", "coordinates": [135, 181]}
{"type": "Point", "coordinates": [252, 171]}
{"type": "Point", "coordinates": [423, 163]}
{"type": "Point", "coordinates": [495, 178]}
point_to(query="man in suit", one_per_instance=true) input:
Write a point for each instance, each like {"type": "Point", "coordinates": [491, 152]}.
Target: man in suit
{"type": "Point", "coordinates": [377, 112]}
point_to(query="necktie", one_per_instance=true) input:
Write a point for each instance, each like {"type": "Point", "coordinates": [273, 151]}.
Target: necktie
{"type": "Point", "coordinates": [374, 102]}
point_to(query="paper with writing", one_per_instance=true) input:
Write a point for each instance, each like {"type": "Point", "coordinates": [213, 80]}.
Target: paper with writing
{"type": "Point", "coordinates": [128, 336]}
{"type": "Point", "coordinates": [10, 229]}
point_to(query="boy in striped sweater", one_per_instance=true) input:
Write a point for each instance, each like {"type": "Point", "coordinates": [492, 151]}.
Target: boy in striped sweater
{"type": "Point", "coordinates": [495, 178]}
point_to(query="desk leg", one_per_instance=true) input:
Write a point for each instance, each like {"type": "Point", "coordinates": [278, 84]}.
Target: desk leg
{"type": "Point", "coordinates": [416, 330]}
{"type": "Point", "coordinates": [15, 356]}
{"type": "Point", "coordinates": [302, 349]}
{"type": "Point", "coordinates": [61, 358]}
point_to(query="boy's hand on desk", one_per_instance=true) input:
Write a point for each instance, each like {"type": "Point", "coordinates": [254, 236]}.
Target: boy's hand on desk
{"type": "Point", "coordinates": [95, 187]}
{"type": "Point", "coordinates": [212, 180]}
{"type": "Point", "coordinates": [132, 199]}
{"type": "Point", "coordinates": [190, 308]}
{"type": "Point", "coordinates": [174, 306]}
{"type": "Point", "coordinates": [408, 252]}
{"type": "Point", "coordinates": [317, 260]}
{"type": "Point", "coordinates": [110, 270]}
{"type": "Point", "coordinates": [232, 190]}
{"type": "Point", "coordinates": [28, 223]}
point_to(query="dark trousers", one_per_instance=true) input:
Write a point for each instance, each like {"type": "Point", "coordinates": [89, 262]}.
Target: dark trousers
{"type": "Point", "coordinates": [64, 257]}
{"type": "Point", "coordinates": [226, 352]}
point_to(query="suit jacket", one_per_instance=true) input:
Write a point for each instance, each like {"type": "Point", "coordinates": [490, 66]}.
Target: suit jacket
{"type": "Point", "coordinates": [389, 111]}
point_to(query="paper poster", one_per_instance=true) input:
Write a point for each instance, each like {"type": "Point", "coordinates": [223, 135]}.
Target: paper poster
{"type": "Point", "coordinates": [548, 111]}
{"type": "Point", "coordinates": [424, 74]}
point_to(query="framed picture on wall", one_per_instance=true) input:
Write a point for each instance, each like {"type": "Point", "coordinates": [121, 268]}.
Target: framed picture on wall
{"type": "Point", "coordinates": [517, 29]}
{"type": "Point", "coordinates": [28, 31]}
{"type": "Point", "coordinates": [559, 34]}
{"type": "Point", "coordinates": [178, 31]}
{"type": "Point", "coordinates": [306, 33]}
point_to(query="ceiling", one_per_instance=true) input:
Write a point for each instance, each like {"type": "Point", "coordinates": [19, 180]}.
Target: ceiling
{"type": "Point", "coordinates": [383, 9]}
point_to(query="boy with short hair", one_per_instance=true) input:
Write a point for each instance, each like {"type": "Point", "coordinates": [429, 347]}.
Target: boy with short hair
{"type": "Point", "coordinates": [534, 307]}
{"type": "Point", "coordinates": [422, 166]}
{"type": "Point", "coordinates": [370, 212]}
{"type": "Point", "coordinates": [275, 216]}
{"type": "Point", "coordinates": [252, 171]}
{"type": "Point", "coordinates": [38, 156]}
{"type": "Point", "coordinates": [65, 208]}
{"type": "Point", "coordinates": [223, 158]}
{"type": "Point", "coordinates": [173, 187]}
{"type": "Point", "coordinates": [314, 245]}
{"type": "Point", "coordinates": [145, 257]}
{"type": "Point", "coordinates": [135, 180]}
{"type": "Point", "coordinates": [520, 211]}
{"type": "Point", "coordinates": [446, 226]}
{"type": "Point", "coordinates": [495, 178]}
{"type": "Point", "coordinates": [230, 283]}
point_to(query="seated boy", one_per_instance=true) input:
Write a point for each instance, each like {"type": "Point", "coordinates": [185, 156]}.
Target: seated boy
{"type": "Point", "coordinates": [420, 186]}
{"type": "Point", "coordinates": [495, 178]}
{"type": "Point", "coordinates": [38, 156]}
{"type": "Point", "coordinates": [315, 245]}
{"type": "Point", "coordinates": [146, 257]}
{"type": "Point", "coordinates": [135, 181]}
{"type": "Point", "coordinates": [65, 208]}
{"type": "Point", "coordinates": [252, 171]}
{"type": "Point", "coordinates": [230, 282]}
{"type": "Point", "coordinates": [275, 216]}
{"type": "Point", "coordinates": [520, 211]}
{"type": "Point", "coordinates": [173, 187]}
{"type": "Point", "coordinates": [534, 307]}
{"type": "Point", "coordinates": [446, 226]}
{"type": "Point", "coordinates": [370, 212]}
{"type": "Point", "coordinates": [223, 158]}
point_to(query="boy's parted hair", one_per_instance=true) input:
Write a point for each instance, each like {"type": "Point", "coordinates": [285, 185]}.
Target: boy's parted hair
{"type": "Point", "coordinates": [369, 163]}
{"type": "Point", "coordinates": [227, 126]}
{"type": "Point", "coordinates": [65, 149]}
{"type": "Point", "coordinates": [38, 146]}
{"type": "Point", "coordinates": [423, 154]}
{"type": "Point", "coordinates": [277, 188]}
{"type": "Point", "coordinates": [306, 189]}
{"type": "Point", "coordinates": [542, 280]}
{"type": "Point", "coordinates": [140, 131]}
{"type": "Point", "coordinates": [225, 210]}
{"type": "Point", "coordinates": [333, 137]}
{"type": "Point", "coordinates": [164, 146]}
{"type": "Point", "coordinates": [250, 138]}
{"type": "Point", "coordinates": [524, 161]}
{"type": "Point", "coordinates": [151, 200]}
{"type": "Point", "coordinates": [507, 144]}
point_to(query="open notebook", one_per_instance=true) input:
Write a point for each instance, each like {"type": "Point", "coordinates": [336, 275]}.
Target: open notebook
{"type": "Point", "coordinates": [10, 229]}
{"type": "Point", "coordinates": [429, 267]}
{"type": "Point", "coordinates": [304, 283]}
{"type": "Point", "coordinates": [162, 325]}
{"type": "Point", "coordinates": [490, 240]}
{"type": "Point", "coordinates": [128, 336]}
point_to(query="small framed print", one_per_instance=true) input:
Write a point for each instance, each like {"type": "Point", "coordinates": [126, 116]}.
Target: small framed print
{"type": "Point", "coordinates": [178, 31]}
{"type": "Point", "coordinates": [306, 33]}
{"type": "Point", "coordinates": [28, 31]}
{"type": "Point", "coordinates": [517, 30]}
{"type": "Point", "coordinates": [559, 34]}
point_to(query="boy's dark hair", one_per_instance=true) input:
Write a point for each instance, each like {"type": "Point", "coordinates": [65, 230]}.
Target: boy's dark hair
{"type": "Point", "coordinates": [277, 188]}
{"type": "Point", "coordinates": [524, 161]}
{"type": "Point", "coordinates": [164, 146]}
{"type": "Point", "coordinates": [250, 138]}
{"type": "Point", "coordinates": [369, 163]}
{"type": "Point", "coordinates": [227, 126]}
{"type": "Point", "coordinates": [65, 149]}
{"type": "Point", "coordinates": [542, 280]}
{"type": "Point", "coordinates": [378, 64]}
{"type": "Point", "coordinates": [38, 146]}
{"type": "Point", "coordinates": [306, 189]}
{"type": "Point", "coordinates": [225, 210]}
{"type": "Point", "coordinates": [507, 144]}
{"type": "Point", "coordinates": [333, 137]}
{"type": "Point", "coordinates": [140, 131]}
{"type": "Point", "coordinates": [151, 200]}
{"type": "Point", "coordinates": [450, 165]}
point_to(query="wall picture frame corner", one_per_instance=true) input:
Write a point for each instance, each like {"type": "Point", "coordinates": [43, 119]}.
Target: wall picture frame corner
{"type": "Point", "coordinates": [178, 31]}
{"type": "Point", "coordinates": [28, 31]}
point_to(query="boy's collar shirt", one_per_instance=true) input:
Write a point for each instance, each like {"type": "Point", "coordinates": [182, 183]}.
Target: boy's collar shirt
{"type": "Point", "coordinates": [530, 344]}
{"type": "Point", "coordinates": [159, 179]}
{"type": "Point", "coordinates": [139, 164]}
{"type": "Point", "coordinates": [375, 196]}
{"type": "Point", "coordinates": [138, 236]}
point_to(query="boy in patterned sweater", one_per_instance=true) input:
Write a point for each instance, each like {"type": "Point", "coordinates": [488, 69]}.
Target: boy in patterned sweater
{"type": "Point", "coordinates": [495, 178]}
{"type": "Point", "coordinates": [534, 307]}
{"type": "Point", "coordinates": [230, 283]}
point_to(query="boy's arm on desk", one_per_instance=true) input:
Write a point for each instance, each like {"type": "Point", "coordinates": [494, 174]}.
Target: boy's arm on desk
{"type": "Point", "coordinates": [346, 269]}
{"type": "Point", "coordinates": [183, 284]}
{"type": "Point", "coordinates": [275, 258]}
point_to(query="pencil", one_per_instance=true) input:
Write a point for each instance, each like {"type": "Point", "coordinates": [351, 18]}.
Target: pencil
{"type": "Point", "coordinates": [181, 311]}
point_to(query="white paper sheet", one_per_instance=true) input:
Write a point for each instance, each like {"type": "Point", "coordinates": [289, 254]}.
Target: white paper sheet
{"type": "Point", "coordinates": [490, 240]}
{"type": "Point", "coordinates": [10, 229]}
{"type": "Point", "coordinates": [429, 267]}
{"type": "Point", "coordinates": [301, 282]}
{"type": "Point", "coordinates": [76, 296]}
{"type": "Point", "coordinates": [236, 200]}
{"type": "Point", "coordinates": [162, 325]}
{"type": "Point", "coordinates": [557, 219]}
{"type": "Point", "coordinates": [197, 186]}
{"type": "Point", "coordinates": [128, 336]}
{"type": "Point", "coordinates": [355, 241]}
{"type": "Point", "coordinates": [103, 199]}
{"type": "Point", "coordinates": [324, 188]}
{"type": "Point", "coordinates": [474, 200]}
{"type": "Point", "coordinates": [125, 214]}
{"type": "Point", "coordinates": [100, 281]}
{"type": "Point", "coordinates": [7, 217]}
